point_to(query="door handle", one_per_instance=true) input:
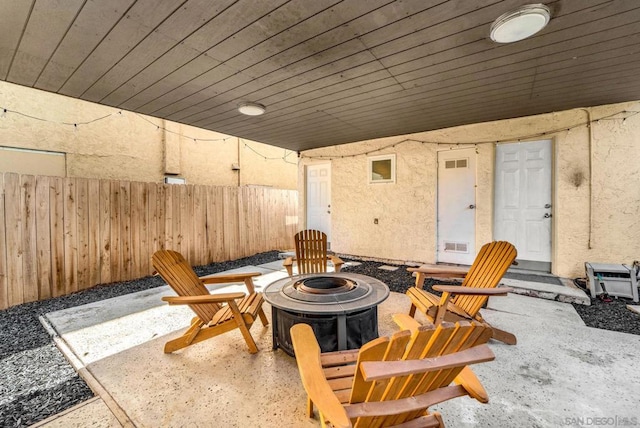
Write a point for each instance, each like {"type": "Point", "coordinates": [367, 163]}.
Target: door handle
{"type": "Point", "coordinates": [472, 207]}
{"type": "Point", "coordinates": [547, 205]}
{"type": "Point", "coordinates": [328, 212]}
{"type": "Point", "coordinates": [547, 215]}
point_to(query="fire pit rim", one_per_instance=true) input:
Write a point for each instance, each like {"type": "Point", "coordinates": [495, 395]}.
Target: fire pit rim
{"type": "Point", "coordinates": [377, 293]}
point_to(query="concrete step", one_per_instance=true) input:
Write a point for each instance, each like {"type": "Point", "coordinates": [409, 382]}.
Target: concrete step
{"type": "Point", "coordinates": [566, 293]}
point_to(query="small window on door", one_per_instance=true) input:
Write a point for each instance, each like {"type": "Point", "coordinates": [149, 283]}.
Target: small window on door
{"type": "Point", "coordinates": [382, 169]}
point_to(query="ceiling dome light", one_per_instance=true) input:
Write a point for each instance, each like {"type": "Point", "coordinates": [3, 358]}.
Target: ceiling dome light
{"type": "Point", "coordinates": [520, 23]}
{"type": "Point", "coordinates": [251, 109]}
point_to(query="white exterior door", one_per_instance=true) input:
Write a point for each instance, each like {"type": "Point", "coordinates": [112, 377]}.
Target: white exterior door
{"type": "Point", "coordinates": [319, 198]}
{"type": "Point", "coordinates": [456, 206]}
{"type": "Point", "coordinates": [523, 200]}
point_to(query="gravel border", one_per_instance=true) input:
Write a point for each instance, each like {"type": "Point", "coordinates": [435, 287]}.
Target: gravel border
{"type": "Point", "coordinates": [38, 382]}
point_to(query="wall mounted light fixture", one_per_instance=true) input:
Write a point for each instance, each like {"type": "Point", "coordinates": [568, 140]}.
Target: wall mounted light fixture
{"type": "Point", "coordinates": [521, 23]}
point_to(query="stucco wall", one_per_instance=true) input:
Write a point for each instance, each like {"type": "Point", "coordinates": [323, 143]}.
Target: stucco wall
{"type": "Point", "coordinates": [596, 221]}
{"type": "Point", "coordinates": [127, 146]}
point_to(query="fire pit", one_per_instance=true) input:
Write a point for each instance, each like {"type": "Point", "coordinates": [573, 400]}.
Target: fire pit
{"type": "Point", "coordinates": [342, 309]}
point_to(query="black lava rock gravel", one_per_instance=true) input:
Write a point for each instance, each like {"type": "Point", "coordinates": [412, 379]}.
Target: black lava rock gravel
{"type": "Point", "coordinates": [38, 382]}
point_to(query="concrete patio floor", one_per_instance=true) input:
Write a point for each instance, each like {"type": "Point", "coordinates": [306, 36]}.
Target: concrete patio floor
{"type": "Point", "coordinates": [561, 373]}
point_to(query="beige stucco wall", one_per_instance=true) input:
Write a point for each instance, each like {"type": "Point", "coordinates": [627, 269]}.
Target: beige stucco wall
{"type": "Point", "coordinates": [598, 221]}
{"type": "Point", "coordinates": [127, 146]}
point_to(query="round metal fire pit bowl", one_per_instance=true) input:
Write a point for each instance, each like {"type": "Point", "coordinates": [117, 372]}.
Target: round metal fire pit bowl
{"type": "Point", "coordinates": [342, 308]}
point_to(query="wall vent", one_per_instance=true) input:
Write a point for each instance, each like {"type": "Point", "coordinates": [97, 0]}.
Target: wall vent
{"type": "Point", "coordinates": [175, 180]}
{"type": "Point", "coordinates": [456, 247]}
{"type": "Point", "coordinates": [456, 163]}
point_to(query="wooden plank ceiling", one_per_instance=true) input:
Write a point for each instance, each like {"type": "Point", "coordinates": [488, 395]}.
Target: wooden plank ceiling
{"type": "Point", "coordinates": [328, 71]}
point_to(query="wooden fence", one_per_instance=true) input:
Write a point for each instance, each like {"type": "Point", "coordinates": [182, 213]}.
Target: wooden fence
{"type": "Point", "coordinates": [60, 235]}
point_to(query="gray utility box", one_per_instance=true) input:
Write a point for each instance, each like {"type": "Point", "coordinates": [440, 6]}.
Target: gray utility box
{"type": "Point", "coordinates": [618, 280]}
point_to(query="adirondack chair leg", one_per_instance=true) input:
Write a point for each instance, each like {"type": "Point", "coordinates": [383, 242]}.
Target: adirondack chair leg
{"type": "Point", "coordinates": [500, 335]}
{"type": "Point", "coordinates": [420, 277]}
{"type": "Point", "coordinates": [263, 317]}
{"type": "Point", "coordinates": [439, 419]}
{"type": "Point", "coordinates": [250, 287]}
{"type": "Point", "coordinates": [470, 382]}
{"type": "Point", "coordinates": [432, 420]}
{"type": "Point", "coordinates": [442, 308]}
{"type": "Point", "coordinates": [186, 339]}
{"type": "Point", "coordinates": [244, 328]}
{"type": "Point", "coordinates": [309, 408]}
{"type": "Point", "coordinates": [504, 336]}
{"type": "Point", "coordinates": [412, 310]}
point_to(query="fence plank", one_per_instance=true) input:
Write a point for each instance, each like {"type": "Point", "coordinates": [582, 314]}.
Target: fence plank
{"type": "Point", "coordinates": [82, 208]}
{"type": "Point", "coordinates": [43, 238]}
{"type": "Point", "coordinates": [4, 292]}
{"type": "Point", "coordinates": [125, 229]}
{"type": "Point", "coordinates": [15, 243]}
{"type": "Point", "coordinates": [94, 237]}
{"type": "Point", "coordinates": [114, 249]}
{"type": "Point", "coordinates": [145, 258]}
{"type": "Point", "coordinates": [105, 231]}
{"type": "Point", "coordinates": [29, 262]}
{"type": "Point", "coordinates": [186, 221]}
{"type": "Point", "coordinates": [211, 222]}
{"type": "Point", "coordinates": [169, 213]}
{"type": "Point", "coordinates": [229, 212]}
{"type": "Point", "coordinates": [56, 224]}
{"type": "Point", "coordinates": [152, 226]}
{"type": "Point", "coordinates": [176, 218]}
{"type": "Point", "coordinates": [70, 218]}
{"type": "Point", "coordinates": [136, 223]}
{"type": "Point", "coordinates": [162, 216]}
{"type": "Point", "coordinates": [261, 215]}
{"type": "Point", "coordinates": [198, 226]}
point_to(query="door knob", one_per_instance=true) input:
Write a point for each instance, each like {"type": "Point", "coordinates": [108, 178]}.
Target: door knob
{"type": "Point", "coordinates": [547, 215]}
{"type": "Point", "coordinates": [547, 205]}
{"type": "Point", "coordinates": [472, 207]}
{"type": "Point", "coordinates": [328, 212]}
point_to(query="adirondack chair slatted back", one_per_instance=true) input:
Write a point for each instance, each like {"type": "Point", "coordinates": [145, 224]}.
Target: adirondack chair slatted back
{"type": "Point", "coordinates": [426, 342]}
{"type": "Point", "coordinates": [487, 270]}
{"type": "Point", "coordinates": [176, 272]}
{"type": "Point", "coordinates": [311, 251]}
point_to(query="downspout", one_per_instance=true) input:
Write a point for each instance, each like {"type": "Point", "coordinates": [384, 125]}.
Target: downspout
{"type": "Point", "coordinates": [239, 163]}
{"type": "Point", "coordinates": [589, 125]}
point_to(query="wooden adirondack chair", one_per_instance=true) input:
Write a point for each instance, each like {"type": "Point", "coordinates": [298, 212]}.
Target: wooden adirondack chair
{"type": "Point", "coordinates": [392, 381]}
{"type": "Point", "coordinates": [464, 301]}
{"type": "Point", "coordinates": [311, 253]}
{"type": "Point", "coordinates": [215, 313]}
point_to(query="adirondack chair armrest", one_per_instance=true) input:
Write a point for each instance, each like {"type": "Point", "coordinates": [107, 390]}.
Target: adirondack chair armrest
{"type": "Point", "coordinates": [205, 298]}
{"type": "Point", "coordinates": [472, 291]}
{"type": "Point", "coordinates": [337, 262]}
{"type": "Point", "coordinates": [422, 273]}
{"type": "Point", "coordinates": [379, 370]}
{"type": "Point", "coordinates": [441, 271]}
{"type": "Point", "coordinates": [229, 277]}
{"type": "Point", "coordinates": [307, 353]}
{"type": "Point", "coordinates": [406, 322]}
{"type": "Point", "coordinates": [247, 278]}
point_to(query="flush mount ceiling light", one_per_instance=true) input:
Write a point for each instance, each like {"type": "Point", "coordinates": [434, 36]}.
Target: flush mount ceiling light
{"type": "Point", "coordinates": [251, 109]}
{"type": "Point", "coordinates": [520, 23]}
